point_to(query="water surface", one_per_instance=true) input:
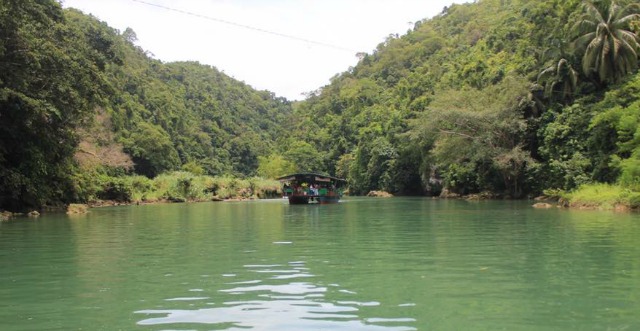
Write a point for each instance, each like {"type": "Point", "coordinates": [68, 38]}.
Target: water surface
{"type": "Point", "coordinates": [363, 264]}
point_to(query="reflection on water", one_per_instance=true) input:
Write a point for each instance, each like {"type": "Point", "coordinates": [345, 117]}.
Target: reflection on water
{"type": "Point", "coordinates": [271, 304]}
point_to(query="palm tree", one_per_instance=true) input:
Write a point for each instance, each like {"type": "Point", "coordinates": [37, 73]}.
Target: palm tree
{"type": "Point", "coordinates": [559, 78]}
{"type": "Point", "coordinates": [610, 47]}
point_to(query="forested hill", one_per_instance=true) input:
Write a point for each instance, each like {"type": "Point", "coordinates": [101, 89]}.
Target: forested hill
{"type": "Point", "coordinates": [78, 99]}
{"type": "Point", "coordinates": [507, 97]}
{"type": "Point", "coordinates": [500, 97]}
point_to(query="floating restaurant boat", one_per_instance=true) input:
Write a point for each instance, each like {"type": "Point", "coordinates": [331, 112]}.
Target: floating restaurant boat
{"type": "Point", "coordinates": [303, 188]}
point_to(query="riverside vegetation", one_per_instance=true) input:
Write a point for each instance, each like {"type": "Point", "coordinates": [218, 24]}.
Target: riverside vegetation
{"type": "Point", "coordinates": [509, 98]}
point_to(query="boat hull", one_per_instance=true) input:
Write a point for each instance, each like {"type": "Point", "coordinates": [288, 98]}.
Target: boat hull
{"type": "Point", "coordinates": [305, 199]}
{"type": "Point", "coordinates": [298, 199]}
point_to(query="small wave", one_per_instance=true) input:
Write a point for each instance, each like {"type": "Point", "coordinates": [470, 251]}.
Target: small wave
{"type": "Point", "coordinates": [187, 299]}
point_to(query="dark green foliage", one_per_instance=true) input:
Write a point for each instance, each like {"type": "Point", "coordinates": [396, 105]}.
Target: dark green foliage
{"type": "Point", "coordinates": [617, 129]}
{"type": "Point", "coordinates": [604, 36]}
{"type": "Point", "coordinates": [152, 150]}
{"type": "Point", "coordinates": [455, 104]}
{"type": "Point", "coordinates": [117, 189]}
{"type": "Point", "coordinates": [49, 82]}
{"type": "Point", "coordinates": [479, 137]}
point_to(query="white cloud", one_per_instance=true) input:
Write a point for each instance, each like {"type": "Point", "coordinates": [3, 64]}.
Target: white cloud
{"type": "Point", "coordinates": [286, 66]}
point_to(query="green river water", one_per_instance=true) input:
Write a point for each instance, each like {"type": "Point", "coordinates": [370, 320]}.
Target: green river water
{"type": "Point", "coordinates": [363, 264]}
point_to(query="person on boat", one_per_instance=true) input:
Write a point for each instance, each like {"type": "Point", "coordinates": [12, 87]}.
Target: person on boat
{"type": "Point", "coordinates": [314, 189]}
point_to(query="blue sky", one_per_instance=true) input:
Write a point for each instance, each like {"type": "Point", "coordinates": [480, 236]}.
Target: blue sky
{"type": "Point", "coordinates": [335, 29]}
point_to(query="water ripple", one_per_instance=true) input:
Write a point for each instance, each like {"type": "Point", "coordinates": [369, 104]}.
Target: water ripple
{"type": "Point", "coordinates": [187, 299]}
{"type": "Point", "coordinates": [292, 288]}
{"type": "Point", "coordinates": [269, 304]}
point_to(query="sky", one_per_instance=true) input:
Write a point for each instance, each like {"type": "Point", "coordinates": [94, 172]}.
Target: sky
{"type": "Point", "coordinates": [289, 47]}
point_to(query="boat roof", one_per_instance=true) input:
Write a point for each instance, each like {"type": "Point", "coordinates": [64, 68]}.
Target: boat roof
{"type": "Point", "coordinates": [309, 177]}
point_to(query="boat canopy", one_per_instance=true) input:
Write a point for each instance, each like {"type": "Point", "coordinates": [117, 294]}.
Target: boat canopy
{"type": "Point", "coordinates": [310, 178]}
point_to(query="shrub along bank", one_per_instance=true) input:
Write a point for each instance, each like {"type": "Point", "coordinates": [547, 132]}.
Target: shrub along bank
{"type": "Point", "coordinates": [179, 186]}
{"type": "Point", "coordinates": [602, 196]}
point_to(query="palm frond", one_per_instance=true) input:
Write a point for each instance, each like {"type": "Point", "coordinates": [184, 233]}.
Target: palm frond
{"type": "Point", "coordinates": [604, 66]}
{"type": "Point", "coordinates": [628, 42]}
{"type": "Point", "coordinates": [617, 45]}
{"type": "Point", "coordinates": [633, 8]}
{"type": "Point", "coordinates": [583, 25]}
{"type": "Point", "coordinates": [573, 76]}
{"type": "Point", "coordinates": [581, 42]}
{"type": "Point", "coordinates": [614, 11]}
{"type": "Point", "coordinates": [546, 73]}
{"type": "Point", "coordinates": [623, 22]}
{"type": "Point", "coordinates": [593, 11]}
{"type": "Point", "coordinates": [629, 37]}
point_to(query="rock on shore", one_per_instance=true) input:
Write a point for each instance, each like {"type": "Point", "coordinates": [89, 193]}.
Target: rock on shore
{"type": "Point", "coordinates": [379, 194]}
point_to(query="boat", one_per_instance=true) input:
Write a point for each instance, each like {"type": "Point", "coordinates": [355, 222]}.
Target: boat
{"type": "Point", "coordinates": [304, 188]}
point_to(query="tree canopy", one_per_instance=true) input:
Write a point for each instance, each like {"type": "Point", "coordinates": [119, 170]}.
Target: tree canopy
{"type": "Point", "coordinates": [483, 97]}
{"type": "Point", "coordinates": [61, 72]}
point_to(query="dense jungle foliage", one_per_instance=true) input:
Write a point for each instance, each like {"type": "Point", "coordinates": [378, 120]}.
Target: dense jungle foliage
{"type": "Point", "coordinates": [508, 97]}
{"type": "Point", "coordinates": [81, 106]}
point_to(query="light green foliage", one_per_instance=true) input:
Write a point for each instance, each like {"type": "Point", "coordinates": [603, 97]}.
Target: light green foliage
{"type": "Point", "coordinates": [304, 157]}
{"type": "Point", "coordinates": [479, 132]}
{"type": "Point", "coordinates": [274, 166]}
{"type": "Point", "coordinates": [182, 186]}
{"type": "Point", "coordinates": [194, 168]}
{"type": "Point", "coordinates": [630, 173]}
{"type": "Point", "coordinates": [603, 196]}
{"type": "Point", "coordinates": [179, 186]}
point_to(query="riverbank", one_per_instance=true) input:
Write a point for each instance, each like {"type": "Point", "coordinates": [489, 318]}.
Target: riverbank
{"type": "Point", "coordinates": [586, 197]}
{"type": "Point", "coordinates": [179, 187]}
{"type": "Point", "coordinates": [101, 190]}
{"type": "Point", "coordinates": [182, 187]}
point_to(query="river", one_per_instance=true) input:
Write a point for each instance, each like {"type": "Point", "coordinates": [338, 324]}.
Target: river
{"type": "Point", "coordinates": [362, 264]}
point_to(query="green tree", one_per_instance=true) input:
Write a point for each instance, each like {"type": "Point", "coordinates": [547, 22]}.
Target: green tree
{"type": "Point", "coordinates": [304, 156]}
{"type": "Point", "coordinates": [618, 118]}
{"type": "Point", "coordinates": [274, 166]}
{"type": "Point", "coordinates": [609, 46]}
{"type": "Point", "coordinates": [50, 80]}
{"type": "Point", "coordinates": [479, 137]}
{"type": "Point", "coordinates": [152, 150]}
